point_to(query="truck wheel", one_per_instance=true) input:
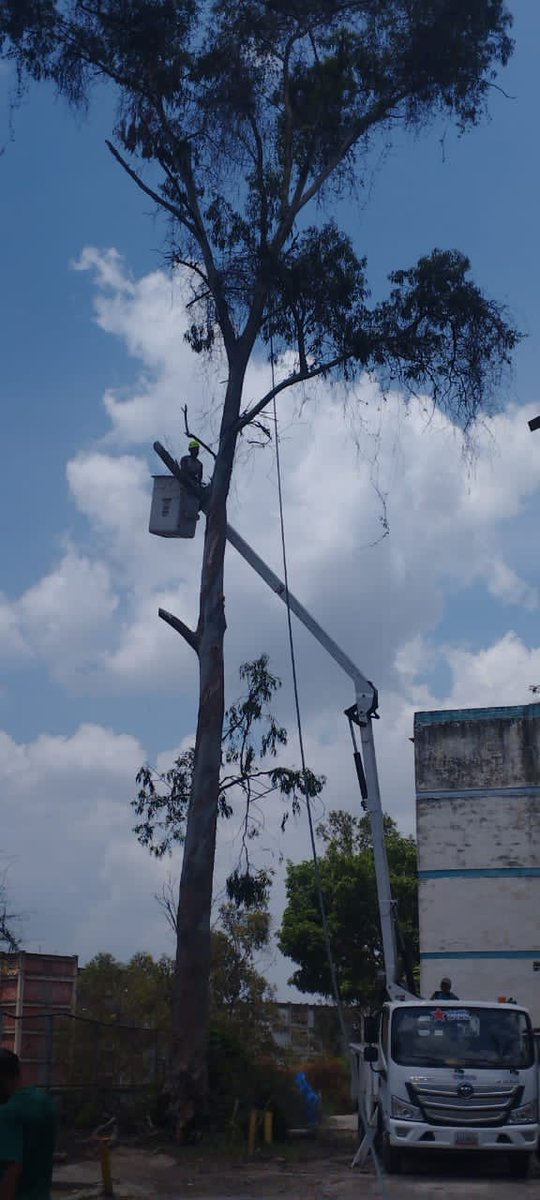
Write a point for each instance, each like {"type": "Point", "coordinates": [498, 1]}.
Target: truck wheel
{"type": "Point", "coordinates": [391, 1157]}
{"type": "Point", "coordinates": [519, 1164]}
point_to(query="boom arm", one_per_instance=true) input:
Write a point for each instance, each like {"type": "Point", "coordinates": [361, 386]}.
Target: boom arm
{"type": "Point", "coordinates": [366, 702]}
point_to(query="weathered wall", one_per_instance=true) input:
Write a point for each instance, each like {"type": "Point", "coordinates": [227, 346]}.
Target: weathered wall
{"type": "Point", "coordinates": [34, 990]}
{"type": "Point", "coordinates": [478, 826]}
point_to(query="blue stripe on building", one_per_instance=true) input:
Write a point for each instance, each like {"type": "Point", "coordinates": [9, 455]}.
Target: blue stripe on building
{"type": "Point", "coordinates": [462, 793]}
{"type": "Point", "coordinates": [440, 717]}
{"type": "Point", "coordinates": [460, 954]}
{"type": "Point", "coordinates": [483, 873]}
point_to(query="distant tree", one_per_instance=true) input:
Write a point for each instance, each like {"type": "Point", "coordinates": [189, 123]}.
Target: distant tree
{"type": "Point", "coordinates": [135, 993]}
{"type": "Point", "coordinates": [239, 118]}
{"type": "Point", "coordinates": [9, 921]}
{"type": "Point", "coordinates": [350, 892]}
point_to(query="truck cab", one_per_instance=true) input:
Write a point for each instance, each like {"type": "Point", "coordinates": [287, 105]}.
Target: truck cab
{"type": "Point", "coordinates": [452, 1075]}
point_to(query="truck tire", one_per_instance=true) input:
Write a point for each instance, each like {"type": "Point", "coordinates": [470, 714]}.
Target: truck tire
{"type": "Point", "coordinates": [391, 1157]}
{"type": "Point", "coordinates": [519, 1164]}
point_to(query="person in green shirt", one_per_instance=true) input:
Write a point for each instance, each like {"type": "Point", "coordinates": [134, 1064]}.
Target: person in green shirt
{"type": "Point", "coordinates": [27, 1135]}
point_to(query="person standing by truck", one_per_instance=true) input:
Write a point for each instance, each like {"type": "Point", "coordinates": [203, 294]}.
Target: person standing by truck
{"type": "Point", "coordinates": [445, 991]}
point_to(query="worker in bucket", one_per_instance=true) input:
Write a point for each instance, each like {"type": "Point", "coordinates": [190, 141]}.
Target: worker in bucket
{"type": "Point", "coordinates": [191, 463]}
{"type": "Point", "coordinates": [445, 991]}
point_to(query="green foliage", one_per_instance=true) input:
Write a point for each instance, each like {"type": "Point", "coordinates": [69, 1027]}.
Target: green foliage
{"type": "Point", "coordinates": [136, 993]}
{"type": "Point", "coordinates": [240, 995]}
{"type": "Point", "coordinates": [239, 1080]}
{"type": "Point", "coordinates": [349, 886]}
{"type": "Point", "coordinates": [9, 939]}
{"type": "Point", "coordinates": [234, 116]}
{"type": "Point", "coordinates": [251, 735]}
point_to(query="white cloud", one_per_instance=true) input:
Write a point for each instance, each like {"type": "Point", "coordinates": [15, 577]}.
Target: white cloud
{"type": "Point", "coordinates": [63, 615]}
{"type": "Point", "coordinates": [498, 674]}
{"type": "Point", "coordinates": [12, 642]}
{"type": "Point", "coordinates": [93, 617]}
{"type": "Point", "coordinates": [67, 833]}
{"type": "Point", "coordinates": [148, 315]}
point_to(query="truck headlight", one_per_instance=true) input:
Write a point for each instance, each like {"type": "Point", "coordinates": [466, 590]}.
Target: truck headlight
{"type": "Point", "coordinates": [404, 1111]}
{"type": "Point", "coordinates": [526, 1115]}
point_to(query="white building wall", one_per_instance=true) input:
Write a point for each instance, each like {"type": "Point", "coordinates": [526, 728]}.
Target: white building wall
{"type": "Point", "coordinates": [478, 826]}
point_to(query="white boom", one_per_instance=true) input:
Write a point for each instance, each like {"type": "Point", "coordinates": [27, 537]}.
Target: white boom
{"type": "Point", "coordinates": [366, 704]}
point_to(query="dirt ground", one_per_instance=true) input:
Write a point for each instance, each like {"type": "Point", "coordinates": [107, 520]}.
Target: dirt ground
{"type": "Point", "coordinates": [318, 1169]}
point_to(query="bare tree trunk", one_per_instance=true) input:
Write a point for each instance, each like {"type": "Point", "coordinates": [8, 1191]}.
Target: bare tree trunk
{"type": "Point", "coordinates": [186, 1082]}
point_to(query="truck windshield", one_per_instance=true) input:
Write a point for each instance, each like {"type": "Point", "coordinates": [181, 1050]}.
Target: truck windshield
{"type": "Point", "coordinates": [461, 1036]}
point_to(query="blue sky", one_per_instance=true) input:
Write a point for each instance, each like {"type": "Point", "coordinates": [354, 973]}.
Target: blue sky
{"type": "Point", "coordinates": [444, 611]}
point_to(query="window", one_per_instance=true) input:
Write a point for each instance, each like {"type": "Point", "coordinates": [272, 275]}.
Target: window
{"type": "Point", "coordinates": [462, 1036]}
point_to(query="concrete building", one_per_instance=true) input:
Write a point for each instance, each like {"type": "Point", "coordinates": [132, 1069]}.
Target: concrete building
{"type": "Point", "coordinates": [306, 1030]}
{"type": "Point", "coordinates": [36, 992]}
{"type": "Point", "coordinates": [478, 828]}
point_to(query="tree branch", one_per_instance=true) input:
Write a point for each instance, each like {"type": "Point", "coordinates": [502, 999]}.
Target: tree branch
{"type": "Point", "coordinates": [188, 634]}
{"type": "Point", "coordinates": [227, 330]}
{"type": "Point", "coordinates": [376, 115]}
{"type": "Point", "coordinates": [299, 377]}
{"type": "Point", "coordinates": [155, 196]}
{"type": "Point", "coordinates": [190, 434]}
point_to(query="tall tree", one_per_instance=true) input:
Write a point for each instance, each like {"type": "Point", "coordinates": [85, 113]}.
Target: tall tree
{"type": "Point", "coordinates": [235, 116]}
{"type": "Point", "coordinates": [350, 891]}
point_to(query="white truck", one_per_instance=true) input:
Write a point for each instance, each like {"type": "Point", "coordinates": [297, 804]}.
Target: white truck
{"type": "Point", "coordinates": [453, 1075]}
{"type": "Point", "coordinates": [463, 1074]}
{"type": "Point", "coordinates": [450, 1075]}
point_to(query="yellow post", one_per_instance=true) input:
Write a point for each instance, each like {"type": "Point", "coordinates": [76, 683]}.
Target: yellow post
{"type": "Point", "coordinates": [105, 1156]}
{"type": "Point", "coordinates": [268, 1127]}
{"type": "Point", "coordinates": [252, 1135]}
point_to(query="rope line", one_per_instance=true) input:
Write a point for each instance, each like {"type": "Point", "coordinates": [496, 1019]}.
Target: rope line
{"type": "Point", "coordinates": [316, 865]}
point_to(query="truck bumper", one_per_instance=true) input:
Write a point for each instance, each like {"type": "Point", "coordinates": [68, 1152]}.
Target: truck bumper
{"type": "Point", "coordinates": [417, 1136]}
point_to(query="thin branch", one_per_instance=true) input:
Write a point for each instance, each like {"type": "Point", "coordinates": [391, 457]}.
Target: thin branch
{"type": "Point", "coordinates": [299, 377]}
{"type": "Point", "coordinates": [155, 196]}
{"type": "Point", "coordinates": [190, 434]}
{"type": "Point", "coordinates": [376, 114]}
{"type": "Point", "coordinates": [214, 282]}
{"type": "Point", "coordinates": [178, 261]}
{"type": "Point", "coordinates": [188, 634]}
{"type": "Point", "coordinates": [497, 88]}
{"type": "Point", "coordinates": [174, 183]}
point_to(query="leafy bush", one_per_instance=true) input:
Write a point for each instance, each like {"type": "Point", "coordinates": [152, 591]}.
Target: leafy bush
{"type": "Point", "coordinates": [239, 1082]}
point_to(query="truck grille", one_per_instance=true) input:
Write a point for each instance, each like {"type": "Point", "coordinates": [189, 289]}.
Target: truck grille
{"type": "Point", "coordinates": [443, 1105]}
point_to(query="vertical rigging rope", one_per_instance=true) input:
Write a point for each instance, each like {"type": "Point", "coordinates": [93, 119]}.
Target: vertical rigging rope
{"type": "Point", "coordinates": [316, 866]}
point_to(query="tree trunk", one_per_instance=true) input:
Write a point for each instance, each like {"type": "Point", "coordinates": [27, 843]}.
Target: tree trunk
{"type": "Point", "coordinates": [186, 1082]}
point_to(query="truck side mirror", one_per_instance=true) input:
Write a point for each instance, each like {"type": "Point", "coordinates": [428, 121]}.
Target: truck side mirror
{"type": "Point", "coordinates": [371, 1029]}
{"type": "Point", "coordinates": [371, 1054]}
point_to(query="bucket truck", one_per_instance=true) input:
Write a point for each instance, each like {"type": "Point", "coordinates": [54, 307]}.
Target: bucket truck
{"type": "Point", "coordinates": [429, 1075]}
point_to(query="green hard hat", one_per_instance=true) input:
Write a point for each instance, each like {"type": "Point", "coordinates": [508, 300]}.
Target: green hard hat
{"type": "Point", "coordinates": [194, 444]}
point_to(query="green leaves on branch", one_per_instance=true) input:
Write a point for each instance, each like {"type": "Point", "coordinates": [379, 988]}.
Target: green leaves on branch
{"type": "Point", "coordinates": [251, 736]}
{"type": "Point", "coordinates": [438, 333]}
